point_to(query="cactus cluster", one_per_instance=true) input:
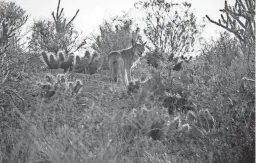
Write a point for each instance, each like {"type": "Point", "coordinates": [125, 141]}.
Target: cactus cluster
{"type": "Point", "coordinates": [59, 61]}
{"type": "Point", "coordinates": [81, 64]}
{"type": "Point", "coordinates": [87, 64]}
{"type": "Point", "coordinates": [59, 85]}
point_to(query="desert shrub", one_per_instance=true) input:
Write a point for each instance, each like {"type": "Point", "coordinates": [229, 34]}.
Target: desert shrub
{"type": "Point", "coordinates": [59, 85]}
{"type": "Point", "coordinates": [21, 115]}
{"type": "Point", "coordinates": [12, 18]}
{"type": "Point", "coordinates": [213, 84]}
{"type": "Point", "coordinates": [115, 34]}
{"type": "Point", "coordinates": [236, 85]}
{"type": "Point", "coordinates": [171, 28]}
{"type": "Point", "coordinates": [11, 129]}
{"type": "Point", "coordinates": [208, 82]}
{"type": "Point", "coordinates": [224, 84]}
{"type": "Point", "coordinates": [154, 58]}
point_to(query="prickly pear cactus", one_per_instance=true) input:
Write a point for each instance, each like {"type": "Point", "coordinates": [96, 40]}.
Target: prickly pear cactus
{"type": "Point", "coordinates": [67, 65]}
{"type": "Point", "coordinates": [59, 87]}
{"type": "Point", "coordinates": [50, 60]}
{"type": "Point", "coordinates": [81, 65]}
{"type": "Point", "coordinates": [61, 56]}
{"type": "Point", "coordinates": [45, 59]}
{"type": "Point", "coordinates": [77, 64]}
{"type": "Point", "coordinates": [53, 62]}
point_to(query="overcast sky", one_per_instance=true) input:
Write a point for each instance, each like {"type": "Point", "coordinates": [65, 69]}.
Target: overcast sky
{"type": "Point", "coordinates": [92, 12]}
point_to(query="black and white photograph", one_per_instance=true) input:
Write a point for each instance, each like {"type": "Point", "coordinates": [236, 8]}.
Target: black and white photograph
{"type": "Point", "coordinates": [127, 81]}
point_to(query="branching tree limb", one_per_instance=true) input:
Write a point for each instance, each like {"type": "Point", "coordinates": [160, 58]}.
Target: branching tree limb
{"type": "Point", "coordinates": [12, 18]}
{"type": "Point", "coordinates": [239, 20]}
{"type": "Point", "coordinates": [58, 19]}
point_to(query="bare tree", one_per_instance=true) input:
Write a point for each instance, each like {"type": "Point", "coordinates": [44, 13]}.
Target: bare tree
{"type": "Point", "coordinates": [239, 20]}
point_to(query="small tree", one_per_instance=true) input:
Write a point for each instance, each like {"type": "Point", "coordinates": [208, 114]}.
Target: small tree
{"type": "Point", "coordinates": [12, 18]}
{"type": "Point", "coordinates": [170, 27]}
{"type": "Point", "coordinates": [239, 20]}
{"type": "Point", "coordinates": [58, 34]}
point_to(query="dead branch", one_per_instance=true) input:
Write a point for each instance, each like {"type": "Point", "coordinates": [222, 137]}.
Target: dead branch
{"type": "Point", "coordinates": [73, 18]}
{"type": "Point", "coordinates": [243, 10]}
{"type": "Point", "coordinates": [61, 24]}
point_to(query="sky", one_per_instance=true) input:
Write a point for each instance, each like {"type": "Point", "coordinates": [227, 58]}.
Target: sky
{"type": "Point", "coordinates": [93, 12]}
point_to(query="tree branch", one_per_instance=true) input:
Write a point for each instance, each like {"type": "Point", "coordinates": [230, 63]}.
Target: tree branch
{"type": "Point", "coordinates": [73, 18]}
{"type": "Point", "coordinates": [228, 29]}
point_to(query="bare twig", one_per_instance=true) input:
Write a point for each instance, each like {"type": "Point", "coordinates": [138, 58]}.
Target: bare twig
{"type": "Point", "coordinates": [73, 18]}
{"type": "Point", "coordinates": [243, 10]}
